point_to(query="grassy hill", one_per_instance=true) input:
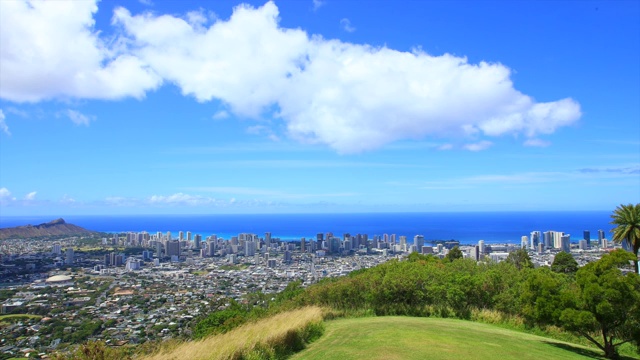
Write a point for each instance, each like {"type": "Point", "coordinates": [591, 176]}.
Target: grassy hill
{"type": "Point", "coordinates": [396, 337]}
{"type": "Point", "coordinates": [273, 337]}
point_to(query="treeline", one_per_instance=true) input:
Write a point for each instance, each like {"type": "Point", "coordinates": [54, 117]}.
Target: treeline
{"type": "Point", "coordinates": [598, 302]}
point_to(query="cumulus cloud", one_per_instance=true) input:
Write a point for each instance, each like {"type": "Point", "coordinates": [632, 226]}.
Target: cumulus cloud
{"type": "Point", "coordinates": [77, 117]}
{"type": "Point", "coordinates": [3, 125]}
{"type": "Point", "coordinates": [5, 195]}
{"type": "Point", "coordinates": [317, 4]}
{"type": "Point", "coordinates": [351, 97]}
{"type": "Point", "coordinates": [245, 61]}
{"type": "Point", "coordinates": [51, 49]}
{"type": "Point", "coordinates": [30, 196]}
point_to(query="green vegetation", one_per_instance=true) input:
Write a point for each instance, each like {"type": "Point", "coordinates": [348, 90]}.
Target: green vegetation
{"type": "Point", "coordinates": [233, 267]}
{"type": "Point", "coordinates": [564, 263]}
{"type": "Point", "coordinates": [626, 218]}
{"type": "Point", "coordinates": [18, 317]}
{"type": "Point", "coordinates": [606, 304]}
{"type": "Point", "coordinates": [433, 338]}
{"type": "Point", "coordinates": [454, 254]}
{"type": "Point", "coordinates": [274, 338]}
{"type": "Point", "coordinates": [541, 298]}
{"type": "Point", "coordinates": [520, 259]}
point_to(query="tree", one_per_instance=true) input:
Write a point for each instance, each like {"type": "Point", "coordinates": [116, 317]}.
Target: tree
{"type": "Point", "coordinates": [520, 259]}
{"type": "Point", "coordinates": [606, 302]}
{"type": "Point", "coordinates": [627, 221]}
{"type": "Point", "coordinates": [454, 254]}
{"type": "Point", "coordinates": [564, 263]}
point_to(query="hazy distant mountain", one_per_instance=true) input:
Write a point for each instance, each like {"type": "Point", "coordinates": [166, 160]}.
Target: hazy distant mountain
{"type": "Point", "coordinates": [55, 227]}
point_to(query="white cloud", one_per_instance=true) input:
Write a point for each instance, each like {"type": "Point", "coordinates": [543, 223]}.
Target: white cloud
{"type": "Point", "coordinates": [30, 196]}
{"type": "Point", "coordinates": [50, 49]}
{"type": "Point", "coordinates": [77, 117]}
{"type": "Point", "coordinates": [346, 25]}
{"type": "Point", "coordinates": [3, 125]}
{"type": "Point", "coordinates": [181, 199]}
{"type": "Point", "coordinates": [317, 4]}
{"type": "Point", "coordinates": [536, 143]}
{"type": "Point", "coordinates": [5, 195]}
{"type": "Point", "coordinates": [479, 146]}
{"type": "Point", "coordinates": [220, 115]}
{"type": "Point", "coordinates": [146, 2]}
{"type": "Point", "coordinates": [444, 147]}
{"type": "Point", "coordinates": [244, 61]}
{"type": "Point", "coordinates": [351, 97]}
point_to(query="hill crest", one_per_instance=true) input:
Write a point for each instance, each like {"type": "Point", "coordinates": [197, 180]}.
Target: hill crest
{"type": "Point", "coordinates": [51, 228]}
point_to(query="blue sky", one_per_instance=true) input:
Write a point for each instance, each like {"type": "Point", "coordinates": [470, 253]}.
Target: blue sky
{"type": "Point", "coordinates": [185, 107]}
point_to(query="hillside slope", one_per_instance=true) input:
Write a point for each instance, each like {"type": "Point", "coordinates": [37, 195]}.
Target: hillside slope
{"type": "Point", "coordinates": [393, 337]}
{"type": "Point", "coordinates": [52, 228]}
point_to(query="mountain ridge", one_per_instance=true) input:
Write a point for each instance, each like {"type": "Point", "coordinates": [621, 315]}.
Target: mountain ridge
{"type": "Point", "coordinates": [55, 227]}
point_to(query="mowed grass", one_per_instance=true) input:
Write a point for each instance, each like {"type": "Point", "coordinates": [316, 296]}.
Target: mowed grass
{"type": "Point", "coordinates": [395, 337]}
{"type": "Point", "coordinates": [19, 316]}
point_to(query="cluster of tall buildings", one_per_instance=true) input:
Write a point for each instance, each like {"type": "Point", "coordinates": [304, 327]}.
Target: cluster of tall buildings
{"type": "Point", "coordinates": [186, 244]}
{"type": "Point", "coordinates": [540, 241]}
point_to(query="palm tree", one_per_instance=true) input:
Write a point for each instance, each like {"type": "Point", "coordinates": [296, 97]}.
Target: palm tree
{"type": "Point", "coordinates": [627, 221]}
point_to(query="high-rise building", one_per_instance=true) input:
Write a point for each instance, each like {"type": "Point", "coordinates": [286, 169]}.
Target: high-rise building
{"type": "Point", "coordinates": [565, 243]}
{"type": "Point", "coordinates": [548, 239]}
{"type": "Point", "coordinates": [557, 239]}
{"type": "Point", "coordinates": [303, 245]}
{"type": "Point", "coordinates": [524, 241]}
{"type": "Point", "coordinates": [586, 235]}
{"type": "Point", "coordinates": [180, 235]}
{"type": "Point", "coordinates": [600, 236]}
{"type": "Point", "coordinates": [56, 249]}
{"type": "Point", "coordinates": [481, 247]}
{"type": "Point", "coordinates": [168, 235]}
{"type": "Point", "coordinates": [249, 248]}
{"type": "Point", "coordinates": [418, 241]}
{"type": "Point", "coordinates": [197, 240]}
{"type": "Point", "coordinates": [172, 248]}
{"type": "Point", "coordinates": [69, 256]}
{"type": "Point", "coordinates": [583, 244]}
{"type": "Point", "coordinates": [535, 239]}
{"type": "Point", "coordinates": [188, 235]}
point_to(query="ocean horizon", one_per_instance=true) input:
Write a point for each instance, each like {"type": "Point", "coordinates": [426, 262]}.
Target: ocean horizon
{"type": "Point", "coordinates": [465, 227]}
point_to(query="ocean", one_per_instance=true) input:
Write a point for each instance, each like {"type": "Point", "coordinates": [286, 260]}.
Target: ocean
{"type": "Point", "coordinates": [466, 227]}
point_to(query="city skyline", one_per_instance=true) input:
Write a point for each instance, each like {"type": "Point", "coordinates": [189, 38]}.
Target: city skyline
{"type": "Point", "coordinates": [158, 107]}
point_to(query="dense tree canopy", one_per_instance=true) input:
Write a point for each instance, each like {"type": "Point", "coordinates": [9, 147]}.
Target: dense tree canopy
{"type": "Point", "coordinates": [606, 302]}
{"type": "Point", "coordinates": [564, 263]}
{"type": "Point", "coordinates": [520, 259]}
{"type": "Point", "coordinates": [454, 254]}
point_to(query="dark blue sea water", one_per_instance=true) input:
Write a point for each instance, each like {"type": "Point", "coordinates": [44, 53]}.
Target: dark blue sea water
{"type": "Point", "coordinates": [467, 227]}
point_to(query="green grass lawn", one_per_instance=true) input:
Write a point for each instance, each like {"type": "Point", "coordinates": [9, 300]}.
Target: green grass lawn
{"type": "Point", "coordinates": [433, 338]}
{"type": "Point", "coordinates": [19, 316]}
